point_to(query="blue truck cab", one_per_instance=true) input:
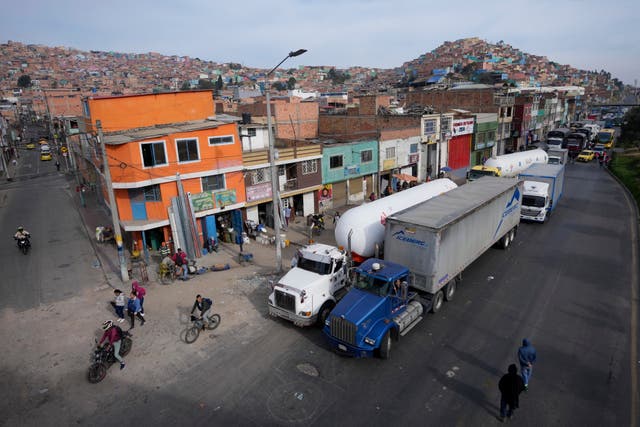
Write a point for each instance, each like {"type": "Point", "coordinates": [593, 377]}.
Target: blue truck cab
{"type": "Point", "coordinates": [377, 309]}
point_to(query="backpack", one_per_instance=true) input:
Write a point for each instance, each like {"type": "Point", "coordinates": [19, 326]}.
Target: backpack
{"type": "Point", "coordinates": [208, 301]}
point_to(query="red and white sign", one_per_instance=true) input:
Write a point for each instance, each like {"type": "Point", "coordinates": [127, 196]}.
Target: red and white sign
{"type": "Point", "coordinates": [462, 126]}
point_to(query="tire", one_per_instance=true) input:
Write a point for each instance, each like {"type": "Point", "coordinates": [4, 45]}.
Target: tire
{"type": "Point", "coordinates": [512, 235]}
{"type": "Point", "coordinates": [504, 243]}
{"type": "Point", "coordinates": [25, 249]}
{"type": "Point", "coordinates": [324, 312]}
{"type": "Point", "coordinates": [385, 346]}
{"type": "Point", "coordinates": [191, 335]}
{"type": "Point", "coordinates": [97, 372]}
{"type": "Point", "coordinates": [214, 322]}
{"type": "Point", "coordinates": [125, 346]}
{"type": "Point", "coordinates": [450, 290]}
{"type": "Point", "coordinates": [438, 299]}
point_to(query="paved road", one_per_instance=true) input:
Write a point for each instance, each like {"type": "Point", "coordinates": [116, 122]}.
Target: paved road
{"type": "Point", "coordinates": [565, 285]}
{"type": "Point", "coordinates": [61, 258]}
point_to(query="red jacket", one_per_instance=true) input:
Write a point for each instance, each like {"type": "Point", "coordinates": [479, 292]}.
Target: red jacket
{"type": "Point", "coordinates": [139, 290]}
{"type": "Point", "coordinates": [112, 334]}
{"type": "Point", "coordinates": [181, 255]}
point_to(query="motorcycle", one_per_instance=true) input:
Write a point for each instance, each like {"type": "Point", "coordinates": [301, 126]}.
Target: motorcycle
{"type": "Point", "coordinates": [23, 244]}
{"type": "Point", "coordinates": [103, 357]}
{"type": "Point", "coordinates": [317, 223]}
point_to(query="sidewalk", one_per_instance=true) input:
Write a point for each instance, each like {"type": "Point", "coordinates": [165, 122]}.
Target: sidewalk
{"type": "Point", "coordinates": [12, 169]}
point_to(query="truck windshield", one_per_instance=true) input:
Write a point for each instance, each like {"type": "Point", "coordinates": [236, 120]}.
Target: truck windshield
{"type": "Point", "coordinates": [372, 285]}
{"type": "Point", "coordinates": [533, 201]}
{"type": "Point", "coordinates": [554, 161]}
{"type": "Point", "coordinates": [604, 137]}
{"type": "Point", "coordinates": [475, 174]}
{"type": "Point", "coordinates": [314, 266]}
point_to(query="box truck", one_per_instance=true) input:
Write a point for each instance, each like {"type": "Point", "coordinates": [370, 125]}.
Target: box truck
{"type": "Point", "coordinates": [542, 189]}
{"type": "Point", "coordinates": [427, 247]}
{"type": "Point", "coordinates": [557, 156]}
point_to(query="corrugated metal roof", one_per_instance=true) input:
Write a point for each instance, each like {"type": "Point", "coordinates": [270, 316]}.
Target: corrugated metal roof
{"type": "Point", "coordinates": [132, 135]}
{"type": "Point", "coordinates": [446, 208]}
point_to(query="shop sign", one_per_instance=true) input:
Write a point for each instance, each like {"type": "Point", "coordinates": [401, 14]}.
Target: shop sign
{"type": "Point", "coordinates": [413, 158]}
{"type": "Point", "coordinates": [202, 201]}
{"type": "Point", "coordinates": [224, 198]}
{"type": "Point", "coordinates": [462, 126]}
{"type": "Point", "coordinates": [259, 191]}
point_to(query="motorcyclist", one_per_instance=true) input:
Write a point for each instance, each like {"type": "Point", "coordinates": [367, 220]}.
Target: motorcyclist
{"type": "Point", "coordinates": [114, 335]}
{"type": "Point", "coordinates": [22, 234]}
{"type": "Point", "coordinates": [204, 305]}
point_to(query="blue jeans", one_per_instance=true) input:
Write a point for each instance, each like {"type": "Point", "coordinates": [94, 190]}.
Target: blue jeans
{"type": "Point", "coordinates": [525, 371]}
{"type": "Point", "coordinates": [185, 271]}
{"type": "Point", "coordinates": [116, 351]}
{"type": "Point", "coordinates": [120, 311]}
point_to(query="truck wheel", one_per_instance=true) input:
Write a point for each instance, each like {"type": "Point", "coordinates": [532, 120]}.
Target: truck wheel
{"type": "Point", "coordinates": [504, 243]}
{"type": "Point", "coordinates": [385, 346]}
{"type": "Point", "coordinates": [436, 302]}
{"type": "Point", "coordinates": [324, 312]}
{"type": "Point", "coordinates": [512, 233]}
{"type": "Point", "coordinates": [450, 290]}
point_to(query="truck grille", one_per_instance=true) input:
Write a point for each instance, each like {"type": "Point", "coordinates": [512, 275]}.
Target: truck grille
{"type": "Point", "coordinates": [343, 330]}
{"type": "Point", "coordinates": [286, 301]}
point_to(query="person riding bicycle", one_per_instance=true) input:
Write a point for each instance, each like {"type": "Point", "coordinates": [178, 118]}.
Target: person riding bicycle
{"type": "Point", "coordinates": [114, 334]}
{"type": "Point", "coordinates": [204, 305]}
{"type": "Point", "coordinates": [21, 234]}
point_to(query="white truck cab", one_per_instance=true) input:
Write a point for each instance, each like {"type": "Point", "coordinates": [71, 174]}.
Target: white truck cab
{"type": "Point", "coordinates": [310, 290]}
{"type": "Point", "coordinates": [535, 201]}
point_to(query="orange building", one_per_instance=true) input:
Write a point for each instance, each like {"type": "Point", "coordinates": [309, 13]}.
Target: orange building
{"type": "Point", "coordinates": [176, 170]}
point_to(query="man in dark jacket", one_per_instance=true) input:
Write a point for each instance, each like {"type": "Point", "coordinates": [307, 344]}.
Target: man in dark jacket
{"type": "Point", "coordinates": [204, 306]}
{"type": "Point", "coordinates": [510, 385]}
{"type": "Point", "coordinates": [526, 357]}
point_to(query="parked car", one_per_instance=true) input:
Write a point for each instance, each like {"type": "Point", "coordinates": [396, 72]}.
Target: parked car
{"type": "Point", "coordinates": [586, 156]}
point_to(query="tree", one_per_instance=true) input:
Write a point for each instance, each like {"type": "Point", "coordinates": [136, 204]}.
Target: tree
{"type": "Point", "coordinates": [205, 84]}
{"type": "Point", "coordinates": [219, 83]}
{"type": "Point", "coordinates": [24, 81]}
{"type": "Point", "coordinates": [291, 83]}
{"type": "Point", "coordinates": [630, 133]}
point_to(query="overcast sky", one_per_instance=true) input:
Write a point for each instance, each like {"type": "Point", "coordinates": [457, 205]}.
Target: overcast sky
{"type": "Point", "coordinates": [586, 34]}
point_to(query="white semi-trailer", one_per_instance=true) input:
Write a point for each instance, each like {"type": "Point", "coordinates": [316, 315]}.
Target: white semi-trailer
{"type": "Point", "coordinates": [364, 224]}
{"type": "Point", "coordinates": [508, 165]}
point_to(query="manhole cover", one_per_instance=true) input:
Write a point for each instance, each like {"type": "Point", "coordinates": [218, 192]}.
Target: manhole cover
{"type": "Point", "coordinates": [294, 402]}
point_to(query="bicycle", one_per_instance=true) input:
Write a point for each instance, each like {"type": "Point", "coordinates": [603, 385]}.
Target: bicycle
{"type": "Point", "coordinates": [193, 332]}
{"type": "Point", "coordinates": [166, 274]}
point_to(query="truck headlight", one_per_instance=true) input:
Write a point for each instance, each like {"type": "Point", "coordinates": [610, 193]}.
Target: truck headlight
{"type": "Point", "coordinates": [305, 313]}
{"type": "Point", "coordinates": [370, 341]}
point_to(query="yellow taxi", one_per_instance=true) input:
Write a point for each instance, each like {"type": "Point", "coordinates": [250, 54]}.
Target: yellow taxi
{"type": "Point", "coordinates": [31, 146]}
{"type": "Point", "coordinates": [45, 156]}
{"type": "Point", "coordinates": [586, 156]}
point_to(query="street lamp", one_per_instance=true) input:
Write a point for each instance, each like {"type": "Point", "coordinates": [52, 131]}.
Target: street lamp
{"type": "Point", "coordinates": [275, 193]}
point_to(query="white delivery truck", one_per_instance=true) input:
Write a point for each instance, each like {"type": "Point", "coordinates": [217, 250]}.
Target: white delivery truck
{"type": "Point", "coordinates": [542, 189]}
{"type": "Point", "coordinates": [558, 156]}
{"type": "Point", "coordinates": [307, 293]}
{"type": "Point", "coordinates": [508, 165]}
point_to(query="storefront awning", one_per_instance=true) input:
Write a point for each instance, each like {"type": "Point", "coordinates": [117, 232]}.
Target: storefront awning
{"type": "Point", "coordinates": [405, 177]}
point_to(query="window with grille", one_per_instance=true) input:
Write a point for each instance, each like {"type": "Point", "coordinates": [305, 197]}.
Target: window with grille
{"type": "Point", "coordinates": [221, 140]}
{"type": "Point", "coordinates": [430, 127]}
{"type": "Point", "coordinates": [335, 162]}
{"type": "Point", "coordinates": [153, 154]}
{"type": "Point", "coordinates": [309, 166]}
{"type": "Point", "coordinates": [212, 182]}
{"type": "Point", "coordinates": [390, 153]}
{"type": "Point", "coordinates": [366, 156]}
{"type": "Point", "coordinates": [152, 193]}
{"type": "Point", "coordinates": [259, 176]}
{"type": "Point", "coordinates": [187, 150]}
{"type": "Point", "coordinates": [251, 131]}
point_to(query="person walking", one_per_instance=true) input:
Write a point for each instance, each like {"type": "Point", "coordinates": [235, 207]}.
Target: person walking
{"type": "Point", "coordinates": [510, 385]}
{"type": "Point", "coordinates": [118, 304]}
{"type": "Point", "coordinates": [287, 216]}
{"type": "Point", "coordinates": [133, 307]}
{"type": "Point", "coordinates": [140, 293]}
{"type": "Point", "coordinates": [58, 165]}
{"type": "Point", "coordinates": [527, 357]}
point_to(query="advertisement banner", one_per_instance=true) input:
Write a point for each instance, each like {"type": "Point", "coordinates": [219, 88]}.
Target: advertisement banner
{"type": "Point", "coordinates": [258, 192]}
{"type": "Point", "coordinates": [325, 193]}
{"type": "Point", "coordinates": [224, 198]}
{"type": "Point", "coordinates": [202, 201]}
{"type": "Point", "coordinates": [462, 127]}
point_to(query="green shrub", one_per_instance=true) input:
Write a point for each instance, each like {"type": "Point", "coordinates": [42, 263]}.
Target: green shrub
{"type": "Point", "coordinates": [627, 169]}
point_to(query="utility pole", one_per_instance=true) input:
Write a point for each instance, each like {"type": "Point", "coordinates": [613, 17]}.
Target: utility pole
{"type": "Point", "coordinates": [112, 202]}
